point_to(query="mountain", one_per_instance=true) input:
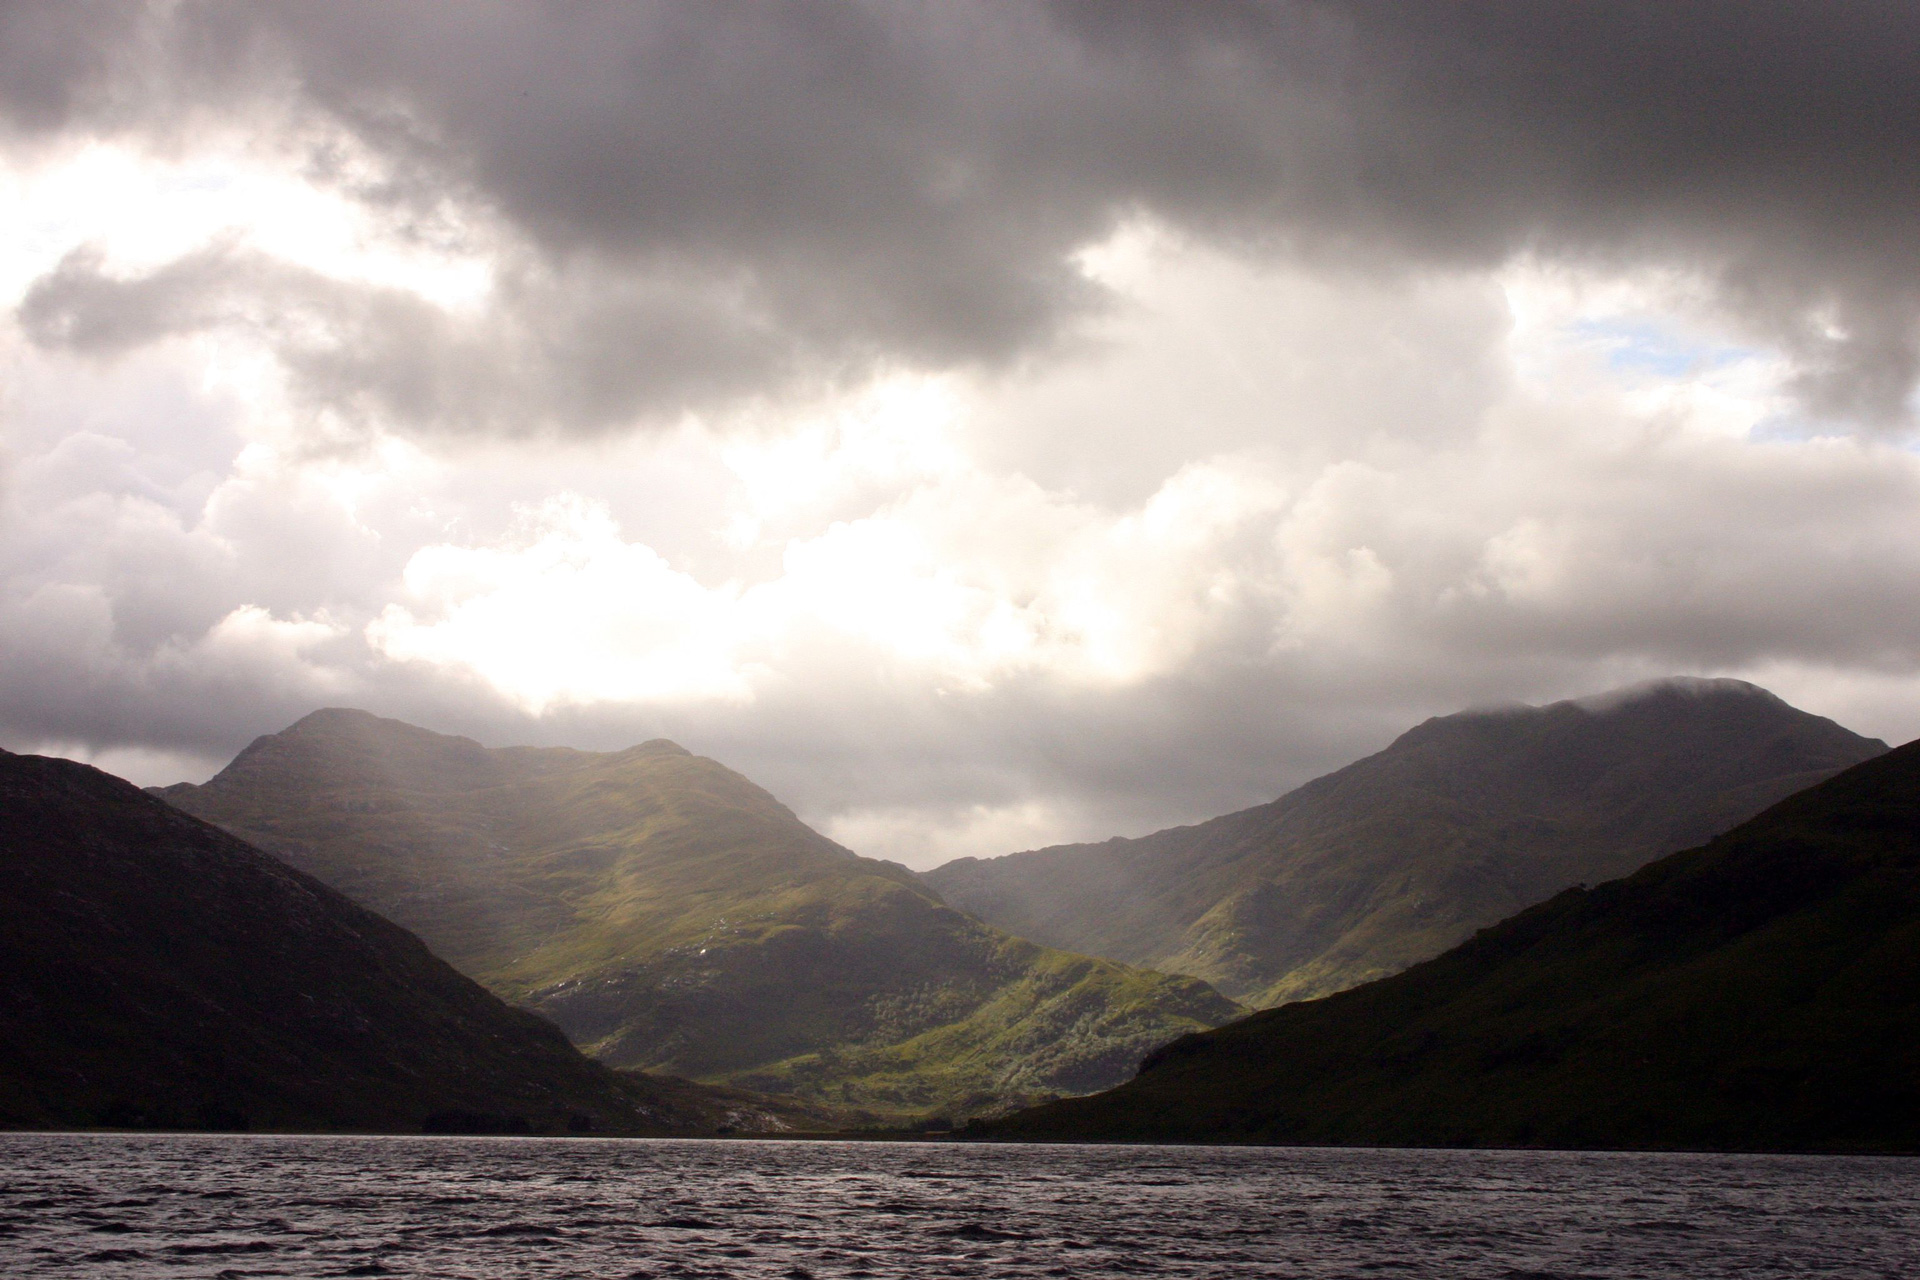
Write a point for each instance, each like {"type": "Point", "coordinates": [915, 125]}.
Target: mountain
{"type": "Point", "coordinates": [669, 914]}
{"type": "Point", "coordinates": [1761, 992]}
{"type": "Point", "coordinates": [1463, 821]}
{"type": "Point", "coordinates": [158, 972]}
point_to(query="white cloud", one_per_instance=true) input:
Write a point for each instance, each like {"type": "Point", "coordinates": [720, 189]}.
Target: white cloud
{"type": "Point", "coordinates": [140, 210]}
{"type": "Point", "coordinates": [252, 637]}
{"type": "Point", "coordinates": [954, 581]}
{"type": "Point", "coordinates": [923, 838]}
{"type": "Point", "coordinates": [566, 612]}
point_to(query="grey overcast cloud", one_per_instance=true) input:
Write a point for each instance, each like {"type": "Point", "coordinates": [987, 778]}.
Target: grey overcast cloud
{"type": "Point", "coordinates": [984, 425]}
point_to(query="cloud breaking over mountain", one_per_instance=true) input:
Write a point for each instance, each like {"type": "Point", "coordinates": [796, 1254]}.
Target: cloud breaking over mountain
{"type": "Point", "coordinates": [984, 424]}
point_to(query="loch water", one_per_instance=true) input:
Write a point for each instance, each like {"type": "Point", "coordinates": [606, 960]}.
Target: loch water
{"type": "Point", "coordinates": [233, 1206]}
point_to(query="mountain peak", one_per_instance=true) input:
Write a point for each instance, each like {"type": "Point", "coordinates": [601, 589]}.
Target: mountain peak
{"type": "Point", "coordinates": [332, 723]}
{"type": "Point", "coordinates": [338, 721]}
{"type": "Point", "coordinates": [326, 717]}
{"type": "Point", "coordinates": [657, 747]}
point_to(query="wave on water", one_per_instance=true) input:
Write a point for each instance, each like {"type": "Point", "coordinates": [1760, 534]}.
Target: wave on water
{"type": "Point", "coordinates": [237, 1206]}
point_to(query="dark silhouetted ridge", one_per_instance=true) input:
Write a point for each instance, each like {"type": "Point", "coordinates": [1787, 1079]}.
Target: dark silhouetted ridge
{"type": "Point", "coordinates": [158, 972]}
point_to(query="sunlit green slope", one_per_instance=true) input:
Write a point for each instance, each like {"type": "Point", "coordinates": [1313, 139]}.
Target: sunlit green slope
{"type": "Point", "coordinates": [1463, 821]}
{"type": "Point", "coordinates": [670, 914]}
{"type": "Point", "coordinates": [1760, 992]}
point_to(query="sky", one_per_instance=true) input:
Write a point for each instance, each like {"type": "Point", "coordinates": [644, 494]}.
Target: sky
{"type": "Point", "coordinates": [983, 425]}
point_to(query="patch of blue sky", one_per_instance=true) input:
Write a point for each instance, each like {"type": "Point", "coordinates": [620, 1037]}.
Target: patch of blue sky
{"type": "Point", "coordinates": [1641, 346]}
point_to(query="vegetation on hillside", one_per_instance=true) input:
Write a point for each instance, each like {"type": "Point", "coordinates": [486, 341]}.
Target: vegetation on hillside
{"type": "Point", "coordinates": [670, 915]}
{"type": "Point", "coordinates": [1760, 992]}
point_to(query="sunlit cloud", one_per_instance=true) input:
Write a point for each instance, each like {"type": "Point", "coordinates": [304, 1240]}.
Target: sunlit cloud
{"type": "Point", "coordinates": [566, 611]}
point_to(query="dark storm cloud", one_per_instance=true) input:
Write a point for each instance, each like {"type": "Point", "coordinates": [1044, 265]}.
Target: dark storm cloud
{"type": "Point", "coordinates": [585, 352]}
{"type": "Point", "coordinates": [60, 62]}
{"type": "Point", "coordinates": [832, 184]}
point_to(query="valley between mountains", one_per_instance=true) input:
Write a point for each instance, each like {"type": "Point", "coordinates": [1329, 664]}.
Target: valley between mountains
{"type": "Point", "coordinates": [669, 915]}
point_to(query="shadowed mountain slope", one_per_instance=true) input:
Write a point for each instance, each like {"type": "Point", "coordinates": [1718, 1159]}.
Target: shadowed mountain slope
{"type": "Point", "coordinates": [1760, 992]}
{"type": "Point", "coordinates": [669, 914]}
{"type": "Point", "coordinates": [156, 971]}
{"type": "Point", "coordinates": [1462, 821]}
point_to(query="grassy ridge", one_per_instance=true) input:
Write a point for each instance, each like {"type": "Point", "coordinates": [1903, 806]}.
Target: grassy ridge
{"type": "Point", "coordinates": [1760, 992]}
{"type": "Point", "coordinates": [670, 915]}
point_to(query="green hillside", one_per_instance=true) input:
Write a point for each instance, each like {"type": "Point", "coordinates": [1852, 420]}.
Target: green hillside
{"type": "Point", "coordinates": [668, 914]}
{"type": "Point", "coordinates": [160, 973]}
{"type": "Point", "coordinates": [1761, 992]}
{"type": "Point", "coordinates": [1463, 821]}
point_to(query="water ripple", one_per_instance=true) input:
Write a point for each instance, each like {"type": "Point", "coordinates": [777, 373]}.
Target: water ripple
{"type": "Point", "coordinates": [490, 1208]}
